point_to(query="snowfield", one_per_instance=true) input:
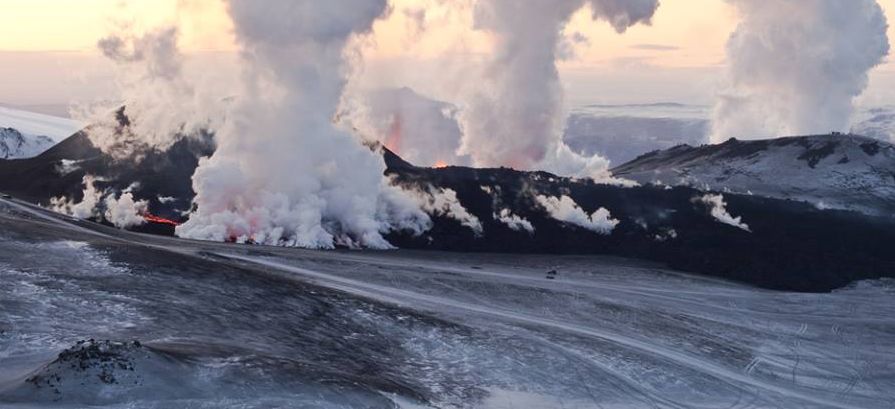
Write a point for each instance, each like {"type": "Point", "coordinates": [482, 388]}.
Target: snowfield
{"type": "Point", "coordinates": [32, 123]}
{"type": "Point", "coordinates": [221, 325]}
{"type": "Point", "coordinates": [27, 134]}
{"type": "Point", "coordinates": [829, 171]}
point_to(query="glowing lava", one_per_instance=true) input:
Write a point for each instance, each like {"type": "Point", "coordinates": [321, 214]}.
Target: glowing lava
{"type": "Point", "coordinates": [151, 218]}
{"type": "Point", "coordinates": [440, 164]}
{"type": "Point", "coordinates": [395, 134]}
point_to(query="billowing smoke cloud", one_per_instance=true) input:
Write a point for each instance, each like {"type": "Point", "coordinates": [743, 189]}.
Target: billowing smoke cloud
{"type": "Point", "coordinates": [86, 208]}
{"type": "Point", "coordinates": [283, 172]}
{"type": "Point", "coordinates": [795, 66]}
{"type": "Point", "coordinates": [124, 211]}
{"type": "Point", "coordinates": [514, 221]}
{"type": "Point", "coordinates": [162, 106]}
{"type": "Point", "coordinates": [423, 131]}
{"type": "Point", "coordinates": [566, 210]}
{"type": "Point", "coordinates": [516, 118]}
{"type": "Point", "coordinates": [120, 210]}
{"type": "Point", "coordinates": [718, 209]}
{"type": "Point", "coordinates": [444, 202]}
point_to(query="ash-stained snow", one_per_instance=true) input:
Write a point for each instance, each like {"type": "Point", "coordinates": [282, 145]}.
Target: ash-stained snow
{"type": "Point", "coordinates": [221, 326]}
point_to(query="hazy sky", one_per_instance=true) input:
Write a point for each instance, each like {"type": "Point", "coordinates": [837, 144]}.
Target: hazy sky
{"type": "Point", "coordinates": [48, 53]}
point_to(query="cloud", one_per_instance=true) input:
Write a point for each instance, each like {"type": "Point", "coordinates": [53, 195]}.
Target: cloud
{"type": "Point", "coordinates": [123, 211]}
{"type": "Point", "coordinates": [718, 210]}
{"type": "Point", "coordinates": [444, 202]}
{"type": "Point", "coordinates": [161, 105]}
{"type": "Point", "coordinates": [795, 67]}
{"type": "Point", "coordinates": [284, 173]}
{"type": "Point", "coordinates": [86, 208]}
{"type": "Point", "coordinates": [566, 210]}
{"type": "Point", "coordinates": [514, 221]}
{"type": "Point", "coordinates": [515, 116]}
{"type": "Point", "coordinates": [422, 131]}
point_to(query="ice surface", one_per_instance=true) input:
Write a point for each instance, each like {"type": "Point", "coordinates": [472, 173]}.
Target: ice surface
{"type": "Point", "coordinates": [248, 326]}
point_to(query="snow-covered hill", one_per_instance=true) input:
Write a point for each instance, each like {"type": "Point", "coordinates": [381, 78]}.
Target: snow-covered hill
{"type": "Point", "coordinates": [830, 171]}
{"type": "Point", "coordinates": [26, 134]}
{"type": "Point", "coordinates": [15, 145]}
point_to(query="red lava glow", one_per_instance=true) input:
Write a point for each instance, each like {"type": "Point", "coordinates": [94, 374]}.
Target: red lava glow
{"type": "Point", "coordinates": [395, 134]}
{"type": "Point", "coordinates": [440, 164]}
{"type": "Point", "coordinates": [151, 218]}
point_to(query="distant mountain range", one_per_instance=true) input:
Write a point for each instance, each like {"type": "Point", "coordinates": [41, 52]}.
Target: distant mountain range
{"type": "Point", "coordinates": [829, 171]}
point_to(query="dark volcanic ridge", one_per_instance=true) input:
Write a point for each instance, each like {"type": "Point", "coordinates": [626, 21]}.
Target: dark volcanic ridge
{"type": "Point", "coordinates": [789, 245]}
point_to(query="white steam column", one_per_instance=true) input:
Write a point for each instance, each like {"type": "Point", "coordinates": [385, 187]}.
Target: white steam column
{"type": "Point", "coordinates": [794, 67]}
{"type": "Point", "coordinates": [516, 119]}
{"type": "Point", "coordinates": [283, 173]}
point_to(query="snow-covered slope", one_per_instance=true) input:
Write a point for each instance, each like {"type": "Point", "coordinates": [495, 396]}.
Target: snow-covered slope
{"type": "Point", "coordinates": [26, 134]}
{"type": "Point", "coordinates": [15, 145]}
{"type": "Point", "coordinates": [31, 123]}
{"type": "Point", "coordinates": [830, 171]}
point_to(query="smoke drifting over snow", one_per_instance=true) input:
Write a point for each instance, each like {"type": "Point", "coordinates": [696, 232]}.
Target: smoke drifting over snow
{"type": "Point", "coordinates": [718, 208]}
{"type": "Point", "coordinates": [566, 210]}
{"type": "Point", "coordinates": [120, 210]}
{"type": "Point", "coordinates": [795, 66]}
{"type": "Point", "coordinates": [516, 118]}
{"type": "Point", "coordinates": [283, 173]}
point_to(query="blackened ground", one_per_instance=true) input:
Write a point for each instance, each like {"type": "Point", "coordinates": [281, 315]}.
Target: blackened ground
{"type": "Point", "coordinates": [792, 246]}
{"type": "Point", "coordinates": [159, 174]}
{"type": "Point", "coordinates": [235, 326]}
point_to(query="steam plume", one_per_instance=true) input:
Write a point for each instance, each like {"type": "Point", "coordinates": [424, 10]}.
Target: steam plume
{"type": "Point", "coordinates": [444, 202]}
{"type": "Point", "coordinates": [283, 173]}
{"type": "Point", "coordinates": [566, 210]}
{"type": "Point", "coordinates": [514, 222]}
{"type": "Point", "coordinates": [423, 131]}
{"type": "Point", "coordinates": [718, 209]}
{"type": "Point", "coordinates": [795, 66]}
{"type": "Point", "coordinates": [120, 210]}
{"type": "Point", "coordinates": [161, 105]}
{"type": "Point", "coordinates": [516, 119]}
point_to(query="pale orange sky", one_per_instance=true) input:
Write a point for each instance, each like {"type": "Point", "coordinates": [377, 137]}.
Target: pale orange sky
{"type": "Point", "coordinates": [48, 49]}
{"type": "Point", "coordinates": [685, 33]}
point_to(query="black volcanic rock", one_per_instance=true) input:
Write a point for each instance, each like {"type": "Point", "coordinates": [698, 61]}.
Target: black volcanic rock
{"type": "Point", "coordinates": [792, 245]}
{"type": "Point", "coordinates": [59, 172]}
